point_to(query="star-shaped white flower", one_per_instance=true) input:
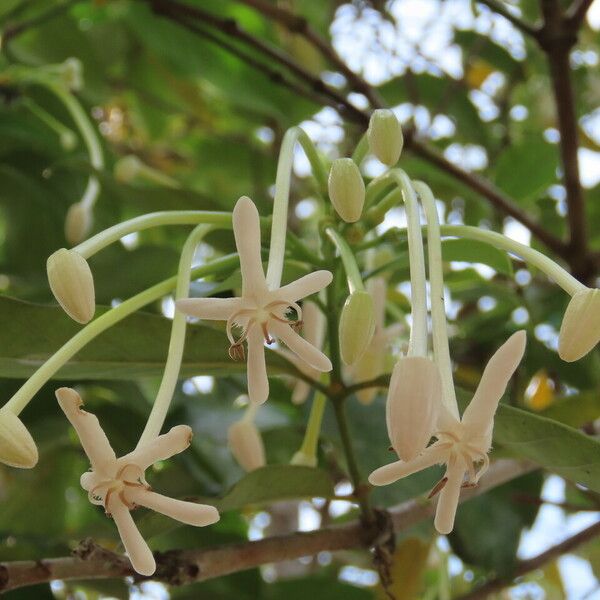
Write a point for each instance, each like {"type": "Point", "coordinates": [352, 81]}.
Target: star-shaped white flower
{"type": "Point", "coordinates": [462, 444]}
{"type": "Point", "coordinates": [261, 313]}
{"type": "Point", "coordinates": [119, 485]}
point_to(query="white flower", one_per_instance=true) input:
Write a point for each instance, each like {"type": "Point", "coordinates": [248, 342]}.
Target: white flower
{"type": "Point", "coordinates": [246, 445]}
{"type": "Point", "coordinates": [17, 448]}
{"type": "Point", "coordinates": [119, 485]}
{"type": "Point", "coordinates": [372, 363]}
{"type": "Point", "coordinates": [261, 313]}
{"type": "Point", "coordinates": [462, 444]}
{"type": "Point", "coordinates": [580, 328]}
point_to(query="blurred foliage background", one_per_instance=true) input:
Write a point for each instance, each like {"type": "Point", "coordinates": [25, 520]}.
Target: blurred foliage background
{"type": "Point", "coordinates": [194, 102]}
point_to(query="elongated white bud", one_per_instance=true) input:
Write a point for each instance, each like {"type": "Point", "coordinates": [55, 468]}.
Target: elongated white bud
{"type": "Point", "coordinates": [385, 136]}
{"type": "Point", "coordinates": [78, 223]}
{"type": "Point", "coordinates": [127, 168]}
{"type": "Point", "coordinates": [346, 189]}
{"type": "Point", "coordinates": [580, 328]}
{"type": "Point", "coordinates": [357, 325]}
{"type": "Point", "coordinates": [72, 284]}
{"type": "Point", "coordinates": [412, 405]}
{"type": "Point", "coordinates": [17, 448]}
{"type": "Point", "coordinates": [246, 445]}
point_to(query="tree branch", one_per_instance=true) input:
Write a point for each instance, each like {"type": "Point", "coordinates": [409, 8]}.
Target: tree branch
{"type": "Point", "coordinates": [180, 567]}
{"type": "Point", "coordinates": [556, 39]}
{"type": "Point", "coordinates": [531, 564]}
{"type": "Point", "coordinates": [499, 8]}
{"type": "Point", "coordinates": [576, 13]}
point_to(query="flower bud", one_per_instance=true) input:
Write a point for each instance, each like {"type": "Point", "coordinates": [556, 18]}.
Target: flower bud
{"type": "Point", "coordinates": [385, 136]}
{"type": "Point", "coordinates": [413, 401]}
{"type": "Point", "coordinates": [71, 72]}
{"type": "Point", "coordinates": [246, 445]}
{"type": "Point", "coordinates": [68, 140]}
{"type": "Point", "coordinates": [78, 223]}
{"type": "Point", "coordinates": [72, 284]}
{"type": "Point", "coordinates": [580, 328]}
{"type": "Point", "coordinates": [127, 168]}
{"type": "Point", "coordinates": [17, 448]}
{"type": "Point", "coordinates": [346, 189]}
{"type": "Point", "coordinates": [357, 325]}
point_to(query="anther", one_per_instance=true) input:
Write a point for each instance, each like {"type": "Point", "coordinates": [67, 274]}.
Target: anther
{"type": "Point", "coordinates": [236, 352]}
{"type": "Point", "coordinates": [438, 487]}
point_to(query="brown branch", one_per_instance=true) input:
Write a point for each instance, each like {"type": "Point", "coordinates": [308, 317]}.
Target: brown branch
{"type": "Point", "coordinates": [300, 26]}
{"type": "Point", "coordinates": [176, 11]}
{"type": "Point", "coordinates": [499, 8]}
{"type": "Point", "coordinates": [575, 14]}
{"type": "Point", "coordinates": [537, 562]}
{"type": "Point", "coordinates": [557, 38]}
{"type": "Point", "coordinates": [179, 567]}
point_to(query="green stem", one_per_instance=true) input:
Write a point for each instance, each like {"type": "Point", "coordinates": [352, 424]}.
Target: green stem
{"type": "Point", "coordinates": [353, 276]}
{"type": "Point", "coordinates": [282, 196]}
{"type": "Point", "coordinates": [361, 150]}
{"type": "Point", "coordinates": [66, 136]}
{"type": "Point", "coordinates": [166, 390]}
{"type": "Point", "coordinates": [562, 277]}
{"type": "Point", "coordinates": [176, 217]}
{"type": "Point", "coordinates": [307, 454]}
{"type": "Point", "coordinates": [417, 345]}
{"type": "Point", "coordinates": [376, 214]}
{"type": "Point", "coordinates": [441, 347]}
{"type": "Point", "coordinates": [24, 395]}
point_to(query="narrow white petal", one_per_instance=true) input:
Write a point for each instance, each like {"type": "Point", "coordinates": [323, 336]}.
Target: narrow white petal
{"type": "Point", "coordinates": [399, 469]}
{"type": "Point", "coordinates": [448, 499]}
{"type": "Point", "coordinates": [258, 383]}
{"type": "Point", "coordinates": [301, 392]}
{"type": "Point", "coordinates": [313, 328]}
{"type": "Point", "coordinates": [580, 328]}
{"type": "Point", "coordinates": [246, 228]}
{"type": "Point", "coordinates": [412, 406]}
{"type": "Point", "coordinates": [189, 513]}
{"type": "Point", "coordinates": [479, 415]}
{"type": "Point", "coordinates": [91, 435]}
{"type": "Point", "coordinates": [299, 346]}
{"type": "Point", "coordinates": [303, 287]}
{"type": "Point", "coordinates": [176, 440]}
{"type": "Point", "coordinates": [377, 287]}
{"type": "Point", "coordinates": [246, 445]}
{"type": "Point", "coordinates": [212, 309]}
{"type": "Point", "coordinates": [136, 547]}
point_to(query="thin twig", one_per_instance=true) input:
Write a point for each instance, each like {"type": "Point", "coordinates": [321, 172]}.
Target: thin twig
{"type": "Point", "coordinates": [180, 567]}
{"type": "Point", "coordinates": [531, 564]}
{"type": "Point", "coordinates": [575, 14]}
{"type": "Point", "coordinates": [498, 7]}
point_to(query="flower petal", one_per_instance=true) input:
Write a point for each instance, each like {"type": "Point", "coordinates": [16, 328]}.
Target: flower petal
{"type": "Point", "coordinates": [189, 513]}
{"type": "Point", "coordinates": [246, 228]}
{"type": "Point", "coordinates": [299, 346]}
{"type": "Point", "coordinates": [246, 445]}
{"type": "Point", "coordinates": [479, 415]}
{"type": "Point", "coordinates": [313, 324]}
{"type": "Point", "coordinates": [176, 440]}
{"type": "Point", "coordinates": [413, 401]}
{"type": "Point", "coordinates": [211, 309]}
{"type": "Point", "coordinates": [303, 287]}
{"type": "Point", "coordinates": [91, 435]}
{"type": "Point", "coordinates": [139, 553]}
{"type": "Point", "coordinates": [580, 328]}
{"type": "Point", "coordinates": [448, 498]}
{"type": "Point", "coordinates": [258, 383]}
{"type": "Point", "coordinates": [399, 469]}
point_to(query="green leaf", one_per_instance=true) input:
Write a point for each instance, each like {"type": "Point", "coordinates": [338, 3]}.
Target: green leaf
{"type": "Point", "coordinates": [135, 347]}
{"type": "Point", "coordinates": [277, 482]}
{"type": "Point", "coordinates": [477, 252]}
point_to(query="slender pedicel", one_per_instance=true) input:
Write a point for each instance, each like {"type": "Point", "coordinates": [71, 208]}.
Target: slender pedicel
{"type": "Point", "coordinates": [282, 194]}
{"type": "Point", "coordinates": [307, 454]}
{"type": "Point", "coordinates": [66, 136]}
{"type": "Point", "coordinates": [130, 167]}
{"type": "Point", "coordinates": [164, 396]}
{"type": "Point", "coordinates": [438, 311]}
{"type": "Point", "coordinates": [111, 317]}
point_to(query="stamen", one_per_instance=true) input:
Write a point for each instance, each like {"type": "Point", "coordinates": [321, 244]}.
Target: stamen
{"type": "Point", "coordinates": [236, 352]}
{"type": "Point", "coordinates": [233, 321]}
{"type": "Point", "coordinates": [268, 339]}
{"type": "Point", "coordinates": [296, 326]}
{"type": "Point", "coordinates": [438, 487]}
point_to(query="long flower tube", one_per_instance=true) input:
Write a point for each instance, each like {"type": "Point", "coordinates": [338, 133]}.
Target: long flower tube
{"type": "Point", "coordinates": [282, 195]}
{"type": "Point", "coordinates": [166, 390]}
{"type": "Point", "coordinates": [46, 371]}
{"type": "Point", "coordinates": [244, 440]}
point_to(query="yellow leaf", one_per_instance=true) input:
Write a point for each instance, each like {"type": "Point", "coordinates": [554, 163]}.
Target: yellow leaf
{"type": "Point", "coordinates": [477, 72]}
{"type": "Point", "coordinates": [408, 565]}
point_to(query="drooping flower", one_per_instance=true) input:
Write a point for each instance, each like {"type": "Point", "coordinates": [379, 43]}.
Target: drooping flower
{"type": "Point", "coordinates": [372, 363]}
{"type": "Point", "coordinates": [260, 313]}
{"type": "Point", "coordinates": [461, 444]}
{"type": "Point", "coordinates": [17, 448]}
{"type": "Point", "coordinates": [119, 485]}
{"type": "Point", "coordinates": [245, 441]}
{"type": "Point", "coordinates": [580, 328]}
